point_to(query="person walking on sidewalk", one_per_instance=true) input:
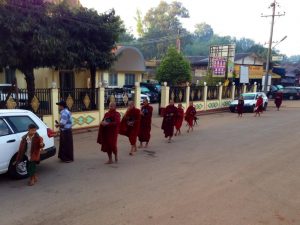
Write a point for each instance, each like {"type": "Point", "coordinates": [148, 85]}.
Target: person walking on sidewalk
{"type": "Point", "coordinates": [66, 149]}
{"type": "Point", "coordinates": [108, 133]}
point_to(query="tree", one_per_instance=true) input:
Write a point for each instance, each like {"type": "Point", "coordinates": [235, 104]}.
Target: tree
{"type": "Point", "coordinates": [161, 28]}
{"type": "Point", "coordinates": [243, 45]}
{"type": "Point", "coordinates": [203, 32]}
{"type": "Point", "coordinates": [139, 23]}
{"type": "Point", "coordinates": [174, 69]}
{"type": "Point", "coordinates": [35, 34]}
{"type": "Point", "coordinates": [91, 38]}
{"type": "Point", "coordinates": [25, 40]}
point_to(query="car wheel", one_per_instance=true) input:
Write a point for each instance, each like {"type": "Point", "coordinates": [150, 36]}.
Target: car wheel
{"type": "Point", "coordinates": [265, 106]}
{"type": "Point", "coordinates": [232, 109]}
{"type": "Point", "coordinates": [291, 97]}
{"type": "Point", "coordinates": [14, 172]}
{"type": "Point", "coordinates": [252, 109]}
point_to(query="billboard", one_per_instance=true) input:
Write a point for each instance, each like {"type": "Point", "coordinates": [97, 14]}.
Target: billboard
{"type": "Point", "coordinates": [221, 60]}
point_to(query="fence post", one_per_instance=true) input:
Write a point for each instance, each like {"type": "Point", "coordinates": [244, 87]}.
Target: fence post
{"type": "Point", "coordinates": [233, 91]}
{"type": "Point", "coordinates": [205, 96]}
{"type": "Point", "coordinates": [244, 88]}
{"type": "Point", "coordinates": [255, 87]}
{"type": "Point", "coordinates": [187, 94]}
{"type": "Point", "coordinates": [137, 95]}
{"type": "Point", "coordinates": [55, 112]}
{"type": "Point", "coordinates": [165, 95]}
{"type": "Point", "coordinates": [220, 93]}
{"type": "Point", "coordinates": [101, 101]}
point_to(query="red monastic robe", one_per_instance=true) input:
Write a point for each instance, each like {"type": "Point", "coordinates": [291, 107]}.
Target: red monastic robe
{"type": "Point", "coordinates": [146, 120]}
{"type": "Point", "coordinates": [179, 118]}
{"type": "Point", "coordinates": [108, 135]}
{"type": "Point", "coordinates": [130, 124]}
{"type": "Point", "coordinates": [169, 120]}
{"type": "Point", "coordinates": [278, 99]}
{"type": "Point", "coordinates": [259, 104]}
{"type": "Point", "coordinates": [190, 115]}
{"type": "Point", "coordinates": [240, 106]}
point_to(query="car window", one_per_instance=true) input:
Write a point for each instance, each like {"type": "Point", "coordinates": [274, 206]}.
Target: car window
{"type": "Point", "coordinates": [248, 96]}
{"type": "Point", "coordinates": [4, 129]}
{"type": "Point", "coordinates": [20, 123]}
{"type": "Point", "coordinates": [145, 89]}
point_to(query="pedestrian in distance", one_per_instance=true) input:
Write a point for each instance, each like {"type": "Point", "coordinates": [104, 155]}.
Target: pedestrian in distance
{"type": "Point", "coordinates": [108, 133]}
{"type": "Point", "coordinates": [66, 149]}
{"type": "Point", "coordinates": [259, 106]}
{"type": "Point", "coordinates": [30, 147]}
{"type": "Point", "coordinates": [169, 120]}
{"type": "Point", "coordinates": [190, 116]}
{"type": "Point", "coordinates": [130, 125]}
{"type": "Point", "coordinates": [179, 119]}
{"type": "Point", "coordinates": [240, 106]}
{"type": "Point", "coordinates": [145, 126]}
{"type": "Point", "coordinates": [278, 100]}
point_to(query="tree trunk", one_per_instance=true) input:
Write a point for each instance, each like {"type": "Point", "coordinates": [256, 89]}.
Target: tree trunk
{"type": "Point", "coordinates": [29, 77]}
{"type": "Point", "coordinates": [93, 86]}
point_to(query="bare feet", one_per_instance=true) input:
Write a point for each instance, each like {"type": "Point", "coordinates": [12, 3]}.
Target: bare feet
{"type": "Point", "coordinates": [131, 153]}
{"type": "Point", "coordinates": [109, 162]}
{"type": "Point", "coordinates": [31, 181]}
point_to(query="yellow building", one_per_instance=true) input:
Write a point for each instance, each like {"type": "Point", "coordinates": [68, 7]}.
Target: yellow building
{"type": "Point", "coordinates": [127, 70]}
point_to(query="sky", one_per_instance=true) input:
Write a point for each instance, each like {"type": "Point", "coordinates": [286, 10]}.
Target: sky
{"type": "Point", "coordinates": [237, 18]}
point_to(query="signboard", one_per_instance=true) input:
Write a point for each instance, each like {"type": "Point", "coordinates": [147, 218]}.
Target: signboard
{"type": "Point", "coordinates": [277, 58]}
{"type": "Point", "coordinates": [221, 60]}
{"type": "Point", "coordinates": [244, 75]}
{"type": "Point", "coordinates": [255, 72]}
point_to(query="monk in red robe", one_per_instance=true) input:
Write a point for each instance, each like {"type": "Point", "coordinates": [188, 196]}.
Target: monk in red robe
{"type": "Point", "coordinates": [169, 119]}
{"type": "Point", "coordinates": [278, 100]}
{"type": "Point", "coordinates": [130, 125]}
{"type": "Point", "coordinates": [240, 106]}
{"type": "Point", "coordinates": [259, 106]}
{"type": "Point", "coordinates": [146, 120]}
{"type": "Point", "coordinates": [190, 116]}
{"type": "Point", "coordinates": [179, 119]}
{"type": "Point", "coordinates": [108, 133]}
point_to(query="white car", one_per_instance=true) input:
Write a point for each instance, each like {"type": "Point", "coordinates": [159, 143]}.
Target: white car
{"type": "Point", "coordinates": [143, 96]}
{"type": "Point", "coordinates": [249, 101]}
{"type": "Point", "coordinates": [13, 126]}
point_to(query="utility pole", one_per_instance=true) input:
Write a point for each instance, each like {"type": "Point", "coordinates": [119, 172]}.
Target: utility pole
{"type": "Point", "coordinates": [178, 42]}
{"type": "Point", "coordinates": [273, 6]}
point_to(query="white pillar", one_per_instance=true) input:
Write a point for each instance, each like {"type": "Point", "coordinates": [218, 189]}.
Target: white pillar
{"type": "Point", "coordinates": [137, 95]}
{"type": "Point", "coordinates": [101, 101]}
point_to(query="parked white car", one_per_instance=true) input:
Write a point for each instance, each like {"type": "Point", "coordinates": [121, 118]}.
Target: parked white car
{"type": "Point", "coordinates": [249, 101]}
{"type": "Point", "coordinates": [13, 126]}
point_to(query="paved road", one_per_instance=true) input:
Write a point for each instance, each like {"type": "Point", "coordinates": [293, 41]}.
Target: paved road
{"type": "Point", "coordinates": [229, 171]}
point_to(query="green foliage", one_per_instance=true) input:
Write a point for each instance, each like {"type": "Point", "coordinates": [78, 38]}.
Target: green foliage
{"type": "Point", "coordinates": [161, 25]}
{"type": "Point", "coordinates": [174, 69]}
{"type": "Point", "coordinates": [36, 34]}
{"type": "Point", "coordinates": [139, 23]}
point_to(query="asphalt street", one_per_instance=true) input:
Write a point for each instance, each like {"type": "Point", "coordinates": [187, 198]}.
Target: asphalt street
{"type": "Point", "coordinates": [229, 171]}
